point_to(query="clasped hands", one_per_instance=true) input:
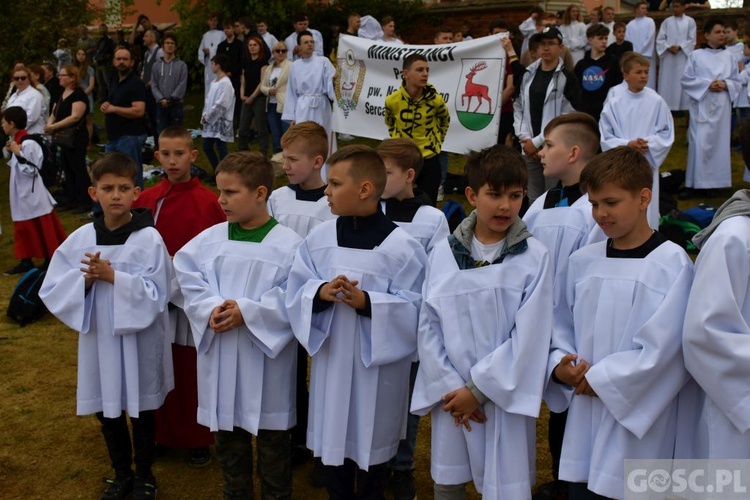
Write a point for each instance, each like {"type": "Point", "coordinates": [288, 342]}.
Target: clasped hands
{"type": "Point", "coordinates": [574, 374]}
{"type": "Point", "coordinates": [342, 289]}
{"type": "Point", "coordinates": [97, 269]}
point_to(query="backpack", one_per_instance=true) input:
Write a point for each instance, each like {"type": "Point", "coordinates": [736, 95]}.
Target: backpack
{"type": "Point", "coordinates": [680, 232]}
{"type": "Point", "coordinates": [454, 213]}
{"type": "Point", "coordinates": [701, 215]}
{"type": "Point", "coordinates": [25, 305]}
{"type": "Point", "coordinates": [48, 170]}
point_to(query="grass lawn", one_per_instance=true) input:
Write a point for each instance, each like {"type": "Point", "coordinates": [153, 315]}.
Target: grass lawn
{"type": "Point", "coordinates": [46, 451]}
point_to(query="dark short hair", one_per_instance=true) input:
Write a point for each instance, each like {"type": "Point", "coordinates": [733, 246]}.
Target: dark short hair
{"type": "Point", "coordinates": [625, 167]}
{"type": "Point", "coordinates": [170, 36]}
{"type": "Point", "coordinates": [304, 33]}
{"type": "Point", "coordinates": [498, 166]}
{"type": "Point", "coordinates": [712, 22]}
{"type": "Point", "coordinates": [411, 59]}
{"type": "Point", "coordinates": [442, 29]}
{"type": "Point", "coordinates": [597, 30]}
{"type": "Point", "coordinates": [299, 17]}
{"type": "Point", "coordinates": [499, 23]}
{"type": "Point", "coordinates": [222, 61]}
{"type": "Point", "coordinates": [403, 152]}
{"type": "Point", "coordinates": [114, 163]}
{"type": "Point", "coordinates": [618, 25]}
{"type": "Point", "coordinates": [15, 115]}
{"type": "Point", "coordinates": [252, 167]}
{"type": "Point", "coordinates": [365, 164]}
{"type": "Point", "coordinates": [578, 129]}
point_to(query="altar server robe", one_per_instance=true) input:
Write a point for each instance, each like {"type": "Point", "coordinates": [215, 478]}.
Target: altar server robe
{"type": "Point", "coordinates": [717, 342]}
{"type": "Point", "coordinates": [299, 215]}
{"type": "Point", "coordinates": [623, 319]}
{"type": "Point", "coordinates": [428, 227]}
{"type": "Point", "coordinates": [490, 325]}
{"type": "Point", "coordinates": [574, 38]}
{"type": "Point", "coordinates": [309, 93]}
{"type": "Point", "coordinates": [246, 376]}
{"type": "Point", "coordinates": [211, 40]}
{"type": "Point", "coordinates": [674, 31]}
{"type": "Point", "coordinates": [124, 354]}
{"type": "Point", "coordinates": [563, 230]}
{"type": "Point", "coordinates": [641, 32]}
{"type": "Point", "coordinates": [627, 116]}
{"type": "Point", "coordinates": [359, 380]}
{"type": "Point", "coordinates": [709, 132]}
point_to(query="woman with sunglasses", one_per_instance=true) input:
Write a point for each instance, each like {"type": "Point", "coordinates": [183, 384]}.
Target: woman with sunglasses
{"type": "Point", "coordinates": [253, 101]}
{"type": "Point", "coordinates": [70, 113]}
{"type": "Point", "coordinates": [28, 98]}
{"type": "Point", "coordinates": [273, 85]}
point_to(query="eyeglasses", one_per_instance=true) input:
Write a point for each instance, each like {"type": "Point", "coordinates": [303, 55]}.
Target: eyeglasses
{"type": "Point", "coordinates": [280, 51]}
{"type": "Point", "coordinates": [20, 78]}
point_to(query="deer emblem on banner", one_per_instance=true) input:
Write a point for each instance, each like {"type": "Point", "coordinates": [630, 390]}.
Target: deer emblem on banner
{"type": "Point", "coordinates": [471, 89]}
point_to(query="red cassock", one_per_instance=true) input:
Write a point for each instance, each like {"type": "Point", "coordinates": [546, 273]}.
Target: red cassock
{"type": "Point", "coordinates": [181, 212]}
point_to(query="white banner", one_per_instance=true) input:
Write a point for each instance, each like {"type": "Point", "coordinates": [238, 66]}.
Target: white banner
{"type": "Point", "coordinates": [469, 75]}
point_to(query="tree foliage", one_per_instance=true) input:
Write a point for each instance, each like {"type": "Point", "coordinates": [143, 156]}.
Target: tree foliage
{"type": "Point", "coordinates": [29, 32]}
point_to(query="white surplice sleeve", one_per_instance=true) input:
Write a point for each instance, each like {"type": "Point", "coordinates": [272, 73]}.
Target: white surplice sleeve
{"type": "Point", "coordinates": [139, 298]}
{"type": "Point", "coordinates": [662, 137]}
{"type": "Point", "coordinates": [64, 289]}
{"type": "Point", "coordinates": [688, 43]}
{"type": "Point", "coordinates": [200, 297]}
{"type": "Point", "coordinates": [310, 328]}
{"type": "Point", "coordinates": [639, 384]}
{"type": "Point", "coordinates": [266, 319]}
{"type": "Point", "coordinates": [290, 100]}
{"type": "Point", "coordinates": [512, 375]}
{"type": "Point", "coordinates": [694, 84]}
{"type": "Point", "coordinates": [661, 38]}
{"type": "Point", "coordinates": [390, 334]}
{"type": "Point", "coordinates": [436, 376]}
{"type": "Point", "coordinates": [716, 339]}
{"type": "Point", "coordinates": [612, 135]}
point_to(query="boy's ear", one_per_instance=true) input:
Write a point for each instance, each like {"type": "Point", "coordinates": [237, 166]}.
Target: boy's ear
{"type": "Point", "coordinates": [471, 196]}
{"type": "Point", "coordinates": [261, 192]}
{"type": "Point", "coordinates": [193, 155]}
{"type": "Point", "coordinates": [92, 194]}
{"type": "Point", "coordinates": [318, 162]}
{"type": "Point", "coordinates": [366, 189]}
{"type": "Point", "coordinates": [575, 154]}
{"type": "Point", "coordinates": [644, 198]}
{"type": "Point", "coordinates": [157, 155]}
{"type": "Point", "coordinates": [411, 174]}
{"type": "Point", "coordinates": [136, 192]}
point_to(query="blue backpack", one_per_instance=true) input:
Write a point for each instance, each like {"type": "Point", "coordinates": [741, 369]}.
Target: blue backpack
{"type": "Point", "coordinates": [25, 305]}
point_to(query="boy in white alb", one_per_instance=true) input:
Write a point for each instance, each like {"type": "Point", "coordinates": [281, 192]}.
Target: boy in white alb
{"type": "Point", "coordinates": [233, 279]}
{"type": "Point", "coordinates": [118, 302]}
{"type": "Point", "coordinates": [412, 210]}
{"type": "Point", "coordinates": [638, 117]}
{"type": "Point", "coordinates": [355, 291]}
{"type": "Point", "coordinates": [711, 81]}
{"type": "Point", "coordinates": [616, 355]}
{"type": "Point", "coordinates": [561, 220]}
{"type": "Point", "coordinates": [484, 332]}
{"type": "Point", "coordinates": [674, 43]}
{"type": "Point", "coordinates": [716, 333]}
{"type": "Point", "coordinates": [301, 205]}
{"type": "Point", "coordinates": [641, 32]}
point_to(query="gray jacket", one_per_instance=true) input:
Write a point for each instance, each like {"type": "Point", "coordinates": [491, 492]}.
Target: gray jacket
{"type": "Point", "coordinates": [169, 80]}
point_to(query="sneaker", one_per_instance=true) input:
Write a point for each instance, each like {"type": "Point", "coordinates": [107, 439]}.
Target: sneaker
{"type": "Point", "coordinates": [199, 457]}
{"type": "Point", "coordinates": [144, 488]}
{"type": "Point", "coordinates": [118, 488]}
{"type": "Point", "coordinates": [441, 193]}
{"type": "Point", "coordinates": [402, 483]}
{"type": "Point", "coordinates": [345, 137]}
{"type": "Point", "coordinates": [20, 268]}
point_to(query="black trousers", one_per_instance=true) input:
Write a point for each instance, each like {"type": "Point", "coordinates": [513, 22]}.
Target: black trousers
{"type": "Point", "coordinates": [429, 178]}
{"type": "Point", "coordinates": [349, 482]}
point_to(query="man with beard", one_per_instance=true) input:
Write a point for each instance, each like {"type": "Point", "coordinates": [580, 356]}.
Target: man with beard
{"type": "Point", "coordinates": [124, 109]}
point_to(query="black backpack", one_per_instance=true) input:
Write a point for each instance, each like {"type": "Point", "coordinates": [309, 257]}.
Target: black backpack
{"type": "Point", "coordinates": [25, 305]}
{"type": "Point", "coordinates": [48, 170]}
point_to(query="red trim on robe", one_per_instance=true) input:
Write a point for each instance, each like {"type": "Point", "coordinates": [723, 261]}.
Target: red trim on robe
{"type": "Point", "coordinates": [37, 238]}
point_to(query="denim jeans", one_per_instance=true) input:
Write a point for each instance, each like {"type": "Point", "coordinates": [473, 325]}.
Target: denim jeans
{"type": "Point", "coordinates": [171, 115]}
{"type": "Point", "coordinates": [209, 143]}
{"type": "Point", "coordinates": [131, 146]}
{"type": "Point", "coordinates": [277, 125]}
